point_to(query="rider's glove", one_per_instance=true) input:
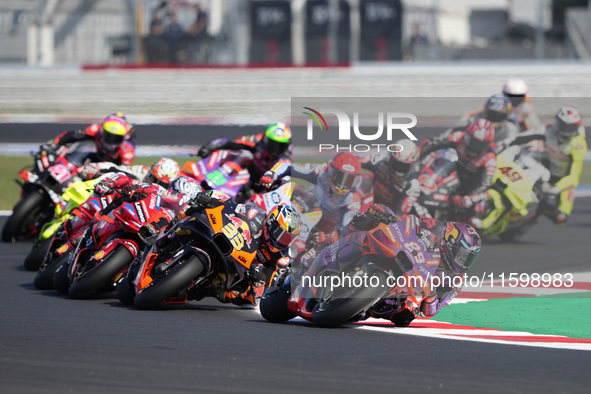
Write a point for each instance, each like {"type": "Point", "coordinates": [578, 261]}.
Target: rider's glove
{"type": "Point", "coordinates": [49, 146]}
{"type": "Point", "coordinates": [430, 306]}
{"type": "Point", "coordinates": [133, 191]}
{"type": "Point", "coordinates": [256, 274]}
{"type": "Point", "coordinates": [362, 221]}
{"type": "Point", "coordinates": [268, 179]}
{"type": "Point", "coordinates": [381, 213]}
{"type": "Point", "coordinates": [204, 151]}
{"type": "Point", "coordinates": [90, 171]}
{"type": "Point", "coordinates": [104, 187]}
{"type": "Point", "coordinates": [200, 202]}
{"type": "Point", "coordinates": [315, 239]}
{"type": "Point", "coordinates": [462, 201]}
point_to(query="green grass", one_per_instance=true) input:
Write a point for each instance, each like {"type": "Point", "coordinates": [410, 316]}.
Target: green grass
{"type": "Point", "coordinates": [11, 166]}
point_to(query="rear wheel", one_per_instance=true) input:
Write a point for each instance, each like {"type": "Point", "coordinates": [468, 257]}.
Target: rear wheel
{"type": "Point", "coordinates": [37, 256]}
{"type": "Point", "coordinates": [346, 303]}
{"type": "Point", "coordinates": [168, 286]}
{"type": "Point", "coordinates": [102, 273]}
{"type": "Point", "coordinates": [28, 215]}
{"type": "Point", "coordinates": [44, 278]}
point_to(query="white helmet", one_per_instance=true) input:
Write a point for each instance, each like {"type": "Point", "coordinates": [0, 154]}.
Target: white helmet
{"type": "Point", "coordinates": [567, 122]}
{"type": "Point", "coordinates": [401, 161]}
{"type": "Point", "coordinates": [516, 90]}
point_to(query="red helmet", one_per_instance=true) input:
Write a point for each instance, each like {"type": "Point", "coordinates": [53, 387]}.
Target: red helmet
{"type": "Point", "coordinates": [344, 172]}
{"type": "Point", "coordinates": [567, 122]}
{"type": "Point", "coordinates": [478, 137]}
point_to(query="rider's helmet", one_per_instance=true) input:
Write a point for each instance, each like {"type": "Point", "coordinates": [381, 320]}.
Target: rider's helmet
{"type": "Point", "coordinates": [459, 246]}
{"type": "Point", "coordinates": [401, 161]}
{"type": "Point", "coordinates": [344, 172]}
{"type": "Point", "coordinates": [567, 122]}
{"type": "Point", "coordinates": [113, 132]}
{"type": "Point", "coordinates": [186, 186]}
{"type": "Point", "coordinates": [281, 227]}
{"type": "Point", "coordinates": [498, 108]}
{"type": "Point", "coordinates": [163, 172]}
{"type": "Point", "coordinates": [478, 137]}
{"type": "Point", "coordinates": [516, 90]}
{"type": "Point", "coordinates": [276, 139]}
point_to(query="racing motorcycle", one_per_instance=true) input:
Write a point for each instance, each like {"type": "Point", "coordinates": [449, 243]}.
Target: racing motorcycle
{"type": "Point", "coordinates": [212, 248]}
{"type": "Point", "coordinates": [219, 172]}
{"type": "Point", "coordinates": [74, 195]}
{"type": "Point", "coordinates": [65, 239]}
{"type": "Point", "coordinates": [323, 289]}
{"type": "Point", "coordinates": [107, 249]}
{"type": "Point", "coordinates": [515, 195]}
{"type": "Point", "coordinates": [438, 180]}
{"type": "Point", "coordinates": [42, 189]}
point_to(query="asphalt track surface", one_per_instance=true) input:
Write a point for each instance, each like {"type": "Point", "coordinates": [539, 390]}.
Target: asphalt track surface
{"type": "Point", "coordinates": [50, 343]}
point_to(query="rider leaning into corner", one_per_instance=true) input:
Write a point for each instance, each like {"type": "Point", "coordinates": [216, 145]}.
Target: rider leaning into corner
{"type": "Point", "coordinates": [499, 111]}
{"type": "Point", "coordinates": [277, 229]}
{"type": "Point", "coordinates": [257, 152]}
{"type": "Point", "coordinates": [337, 187]}
{"type": "Point", "coordinates": [114, 139]}
{"type": "Point", "coordinates": [395, 177]}
{"type": "Point", "coordinates": [459, 247]}
{"type": "Point", "coordinates": [565, 147]}
{"type": "Point", "coordinates": [476, 166]}
{"type": "Point", "coordinates": [516, 91]}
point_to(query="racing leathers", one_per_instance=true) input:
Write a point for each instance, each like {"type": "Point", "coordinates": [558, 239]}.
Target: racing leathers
{"type": "Point", "coordinates": [474, 173]}
{"type": "Point", "coordinates": [564, 159]}
{"type": "Point", "coordinates": [248, 151]}
{"type": "Point", "coordinates": [337, 209]}
{"type": "Point", "coordinates": [396, 306]}
{"type": "Point", "coordinates": [268, 262]}
{"type": "Point", "coordinates": [505, 131]}
{"type": "Point", "coordinates": [398, 195]}
{"type": "Point", "coordinates": [124, 154]}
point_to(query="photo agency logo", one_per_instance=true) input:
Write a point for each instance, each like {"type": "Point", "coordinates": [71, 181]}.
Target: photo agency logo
{"type": "Point", "coordinates": [391, 125]}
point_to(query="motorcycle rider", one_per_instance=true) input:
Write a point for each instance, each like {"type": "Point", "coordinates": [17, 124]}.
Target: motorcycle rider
{"type": "Point", "coordinates": [499, 111]}
{"type": "Point", "coordinates": [476, 165]}
{"type": "Point", "coordinates": [114, 139]}
{"type": "Point", "coordinates": [338, 189]}
{"type": "Point", "coordinates": [515, 90]}
{"type": "Point", "coordinates": [396, 181]}
{"type": "Point", "coordinates": [459, 246]}
{"type": "Point", "coordinates": [565, 147]}
{"type": "Point", "coordinates": [277, 229]}
{"type": "Point", "coordinates": [258, 152]}
{"type": "Point", "coordinates": [127, 188]}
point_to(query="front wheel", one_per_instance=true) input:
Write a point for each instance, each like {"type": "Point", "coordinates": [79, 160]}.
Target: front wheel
{"type": "Point", "coordinates": [61, 282]}
{"type": "Point", "coordinates": [350, 302]}
{"type": "Point", "coordinates": [44, 278]}
{"type": "Point", "coordinates": [102, 273]}
{"type": "Point", "coordinates": [273, 305]}
{"type": "Point", "coordinates": [37, 256]}
{"type": "Point", "coordinates": [168, 286]}
{"type": "Point", "coordinates": [125, 291]}
{"type": "Point", "coordinates": [28, 215]}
